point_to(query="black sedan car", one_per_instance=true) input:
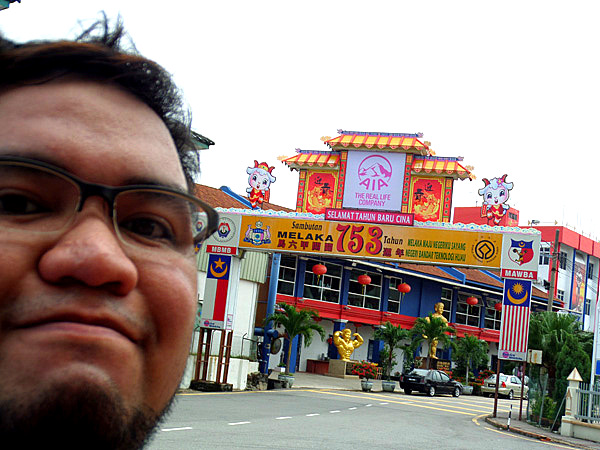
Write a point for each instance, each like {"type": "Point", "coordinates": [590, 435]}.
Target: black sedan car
{"type": "Point", "coordinates": [430, 382]}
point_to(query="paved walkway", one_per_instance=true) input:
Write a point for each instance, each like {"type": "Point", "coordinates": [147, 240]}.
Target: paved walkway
{"type": "Point", "coordinates": [313, 381]}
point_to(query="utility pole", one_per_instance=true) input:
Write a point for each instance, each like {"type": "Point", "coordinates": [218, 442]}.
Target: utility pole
{"type": "Point", "coordinates": [553, 261]}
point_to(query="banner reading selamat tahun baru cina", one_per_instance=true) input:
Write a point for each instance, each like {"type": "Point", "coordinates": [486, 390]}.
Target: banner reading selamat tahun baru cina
{"type": "Point", "coordinates": [373, 241]}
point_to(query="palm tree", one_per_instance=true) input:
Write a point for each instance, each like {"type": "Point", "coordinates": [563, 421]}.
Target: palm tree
{"type": "Point", "coordinates": [472, 351]}
{"type": "Point", "coordinates": [432, 330]}
{"type": "Point", "coordinates": [548, 331]}
{"type": "Point", "coordinates": [296, 322]}
{"type": "Point", "coordinates": [391, 335]}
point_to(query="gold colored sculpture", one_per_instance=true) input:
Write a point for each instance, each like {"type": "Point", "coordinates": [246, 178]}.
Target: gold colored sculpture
{"type": "Point", "coordinates": [345, 344]}
{"type": "Point", "coordinates": [438, 312]}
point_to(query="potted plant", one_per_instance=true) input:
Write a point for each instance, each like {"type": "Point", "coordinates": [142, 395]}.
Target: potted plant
{"type": "Point", "coordinates": [295, 322]}
{"type": "Point", "coordinates": [366, 371]}
{"type": "Point", "coordinates": [391, 335]}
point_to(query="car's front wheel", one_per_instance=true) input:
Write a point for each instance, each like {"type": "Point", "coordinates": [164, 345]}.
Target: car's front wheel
{"type": "Point", "coordinates": [431, 391]}
{"type": "Point", "coordinates": [456, 392]}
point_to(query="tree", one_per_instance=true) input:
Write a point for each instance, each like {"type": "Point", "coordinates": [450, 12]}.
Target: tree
{"type": "Point", "coordinates": [571, 355]}
{"type": "Point", "coordinates": [432, 330]}
{"type": "Point", "coordinates": [296, 322]}
{"type": "Point", "coordinates": [548, 331]}
{"type": "Point", "coordinates": [391, 335]}
{"type": "Point", "coordinates": [470, 352]}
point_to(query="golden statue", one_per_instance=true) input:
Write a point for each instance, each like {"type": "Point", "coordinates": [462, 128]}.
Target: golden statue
{"type": "Point", "coordinates": [345, 344]}
{"type": "Point", "coordinates": [438, 312]}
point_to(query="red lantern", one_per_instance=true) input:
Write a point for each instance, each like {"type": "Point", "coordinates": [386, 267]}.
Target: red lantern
{"type": "Point", "coordinates": [404, 288]}
{"type": "Point", "coordinates": [498, 306]}
{"type": "Point", "coordinates": [364, 279]}
{"type": "Point", "coordinates": [319, 269]}
{"type": "Point", "coordinates": [472, 301]}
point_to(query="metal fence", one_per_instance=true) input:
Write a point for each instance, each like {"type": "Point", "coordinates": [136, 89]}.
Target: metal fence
{"type": "Point", "coordinates": [589, 403]}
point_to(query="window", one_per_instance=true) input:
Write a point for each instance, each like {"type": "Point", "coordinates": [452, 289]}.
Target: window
{"type": "Point", "coordinates": [467, 314]}
{"type": "Point", "coordinates": [562, 260]}
{"type": "Point", "coordinates": [586, 307]}
{"type": "Point", "coordinates": [560, 294]}
{"type": "Point", "coordinates": [446, 299]}
{"type": "Point", "coordinates": [544, 256]}
{"type": "Point", "coordinates": [492, 317]}
{"type": "Point", "coordinates": [325, 287]}
{"type": "Point", "coordinates": [367, 296]}
{"type": "Point", "coordinates": [287, 275]}
{"type": "Point", "coordinates": [590, 271]}
{"type": "Point", "coordinates": [445, 378]}
{"type": "Point", "coordinates": [394, 296]}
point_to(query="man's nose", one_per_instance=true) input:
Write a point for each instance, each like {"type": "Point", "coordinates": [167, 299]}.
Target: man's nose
{"type": "Point", "coordinates": [90, 252]}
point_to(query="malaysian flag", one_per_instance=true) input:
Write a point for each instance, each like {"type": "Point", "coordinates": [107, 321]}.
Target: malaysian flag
{"type": "Point", "coordinates": [514, 326]}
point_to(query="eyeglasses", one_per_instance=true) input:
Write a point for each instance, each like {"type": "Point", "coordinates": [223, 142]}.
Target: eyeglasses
{"type": "Point", "coordinates": [38, 197]}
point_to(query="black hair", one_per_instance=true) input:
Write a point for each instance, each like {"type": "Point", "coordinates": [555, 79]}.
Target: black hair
{"type": "Point", "coordinates": [104, 53]}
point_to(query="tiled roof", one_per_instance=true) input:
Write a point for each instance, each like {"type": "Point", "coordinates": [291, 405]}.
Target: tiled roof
{"type": "Point", "coordinates": [389, 141]}
{"type": "Point", "coordinates": [312, 159]}
{"type": "Point", "coordinates": [428, 270]}
{"type": "Point", "coordinates": [217, 198]}
{"type": "Point", "coordinates": [440, 166]}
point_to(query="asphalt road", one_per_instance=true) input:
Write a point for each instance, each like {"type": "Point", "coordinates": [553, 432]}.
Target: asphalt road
{"type": "Point", "coordinates": [328, 419]}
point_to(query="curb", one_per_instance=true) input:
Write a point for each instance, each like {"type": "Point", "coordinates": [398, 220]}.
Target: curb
{"type": "Point", "coordinates": [542, 437]}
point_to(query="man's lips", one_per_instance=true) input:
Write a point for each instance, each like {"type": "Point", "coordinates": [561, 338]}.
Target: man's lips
{"type": "Point", "coordinates": [84, 326]}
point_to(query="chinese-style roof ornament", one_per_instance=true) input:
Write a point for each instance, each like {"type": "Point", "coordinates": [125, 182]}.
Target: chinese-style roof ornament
{"type": "Point", "coordinates": [495, 195]}
{"type": "Point", "coordinates": [260, 178]}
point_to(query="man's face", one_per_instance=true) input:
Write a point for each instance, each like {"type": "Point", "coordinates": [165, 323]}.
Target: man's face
{"type": "Point", "coordinates": [79, 308]}
{"type": "Point", "coordinates": [346, 333]}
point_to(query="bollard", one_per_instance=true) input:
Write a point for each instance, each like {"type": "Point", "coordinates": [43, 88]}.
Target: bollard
{"type": "Point", "coordinates": [509, 414]}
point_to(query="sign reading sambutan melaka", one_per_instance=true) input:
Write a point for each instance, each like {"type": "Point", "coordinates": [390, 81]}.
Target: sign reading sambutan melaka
{"type": "Point", "coordinates": [373, 241]}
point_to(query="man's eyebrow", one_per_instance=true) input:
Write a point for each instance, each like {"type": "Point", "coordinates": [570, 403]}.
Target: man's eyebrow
{"type": "Point", "coordinates": [129, 181]}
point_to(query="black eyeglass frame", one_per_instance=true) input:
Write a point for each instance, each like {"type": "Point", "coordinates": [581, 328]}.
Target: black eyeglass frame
{"type": "Point", "coordinates": [110, 193]}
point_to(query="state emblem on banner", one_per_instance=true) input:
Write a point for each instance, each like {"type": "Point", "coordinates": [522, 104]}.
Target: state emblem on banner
{"type": "Point", "coordinates": [520, 252]}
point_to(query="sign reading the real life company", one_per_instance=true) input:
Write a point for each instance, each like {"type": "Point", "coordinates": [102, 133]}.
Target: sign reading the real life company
{"type": "Point", "coordinates": [373, 241]}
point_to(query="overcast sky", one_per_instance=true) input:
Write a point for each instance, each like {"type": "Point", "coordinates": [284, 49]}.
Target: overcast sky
{"type": "Point", "coordinates": [513, 86]}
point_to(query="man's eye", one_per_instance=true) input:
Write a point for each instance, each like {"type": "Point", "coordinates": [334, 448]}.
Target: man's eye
{"type": "Point", "coordinates": [148, 228]}
{"type": "Point", "coordinates": [18, 204]}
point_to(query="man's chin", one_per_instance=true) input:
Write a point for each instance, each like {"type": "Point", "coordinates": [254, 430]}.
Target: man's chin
{"type": "Point", "coordinates": [80, 415]}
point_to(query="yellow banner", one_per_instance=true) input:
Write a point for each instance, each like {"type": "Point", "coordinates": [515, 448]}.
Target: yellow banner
{"type": "Point", "coordinates": [373, 241]}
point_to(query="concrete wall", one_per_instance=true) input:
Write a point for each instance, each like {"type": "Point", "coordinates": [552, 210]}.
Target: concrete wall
{"type": "Point", "coordinates": [237, 375]}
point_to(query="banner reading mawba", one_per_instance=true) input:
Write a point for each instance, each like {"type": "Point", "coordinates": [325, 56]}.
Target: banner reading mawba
{"type": "Point", "coordinates": [373, 241]}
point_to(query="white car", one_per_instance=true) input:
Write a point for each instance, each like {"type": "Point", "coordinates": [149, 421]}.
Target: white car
{"type": "Point", "coordinates": [510, 386]}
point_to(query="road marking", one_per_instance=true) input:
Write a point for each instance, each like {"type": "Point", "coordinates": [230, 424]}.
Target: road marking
{"type": "Point", "coordinates": [383, 403]}
{"type": "Point", "coordinates": [335, 411]}
{"type": "Point", "coordinates": [475, 419]}
{"type": "Point", "coordinates": [313, 415]}
{"type": "Point", "coordinates": [283, 418]}
{"type": "Point", "coordinates": [353, 408]}
{"type": "Point", "coordinates": [238, 423]}
{"type": "Point", "coordinates": [176, 429]}
{"type": "Point", "coordinates": [419, 405]}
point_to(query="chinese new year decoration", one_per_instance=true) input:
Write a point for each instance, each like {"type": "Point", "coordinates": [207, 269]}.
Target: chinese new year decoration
{"type": "Point", "coordinates": [472, 301]}
{"type": "Point", "coordinates": [260, 178]}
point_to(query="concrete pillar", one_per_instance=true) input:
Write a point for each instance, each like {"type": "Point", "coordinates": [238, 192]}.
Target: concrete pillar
{"type": "Point", "coordinates": [571, 403]}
